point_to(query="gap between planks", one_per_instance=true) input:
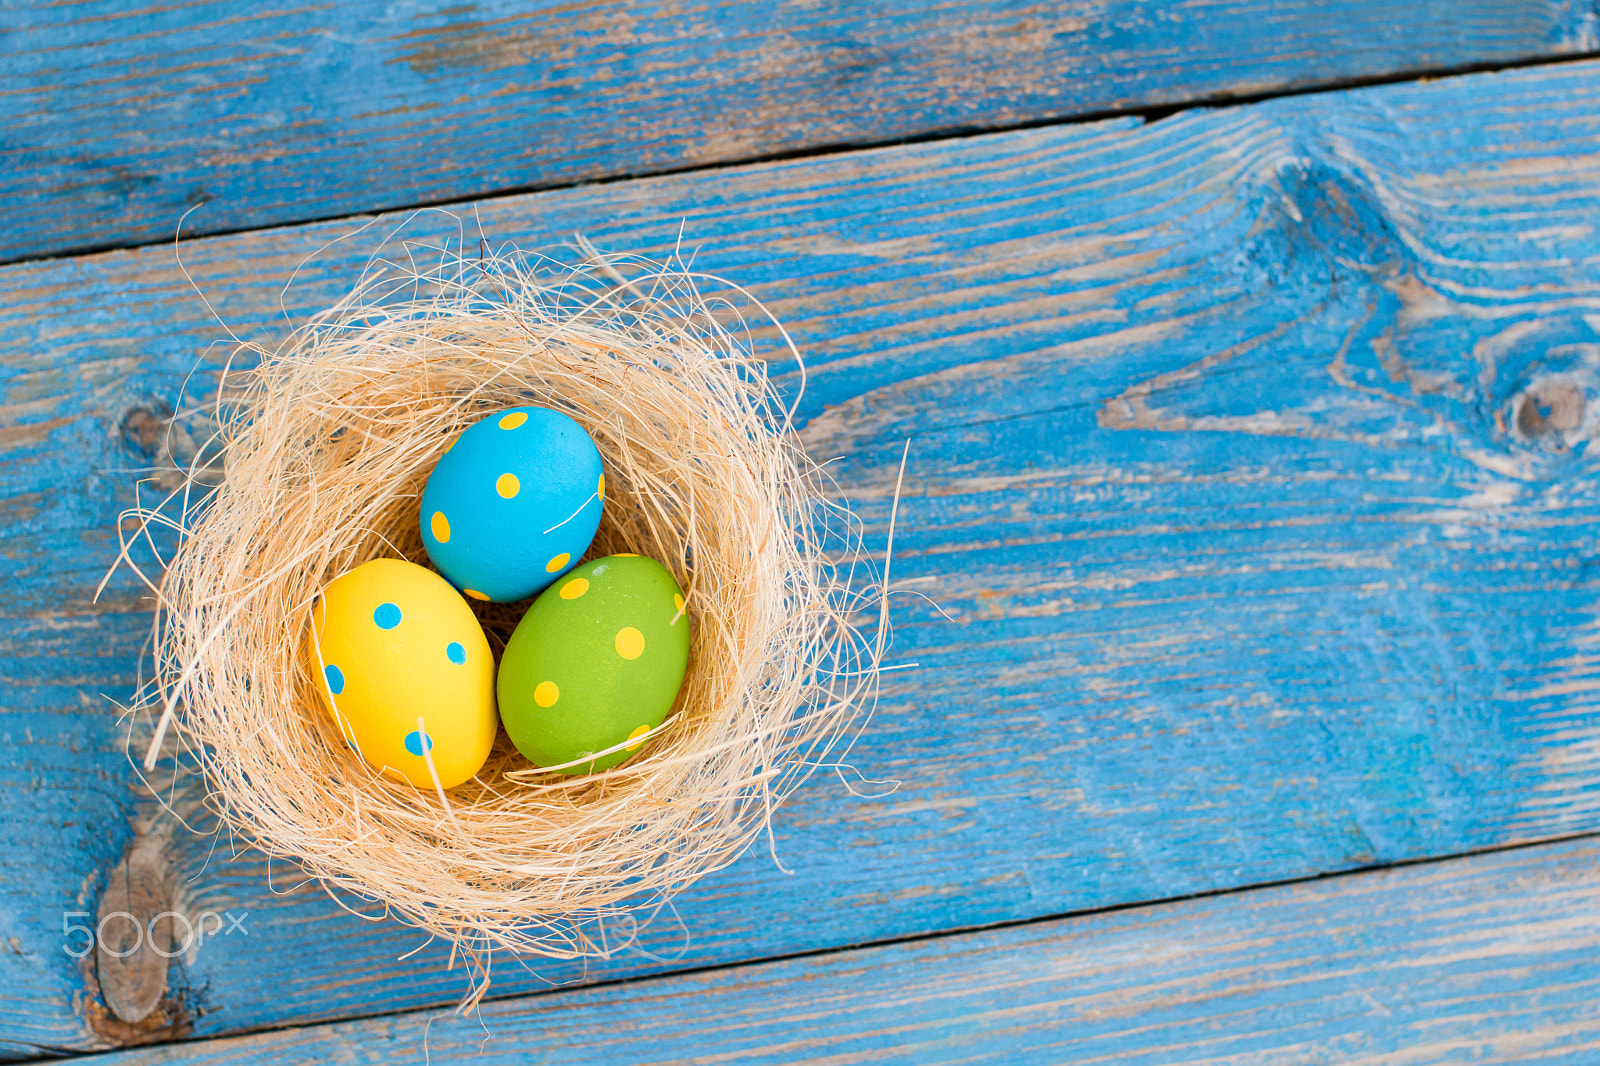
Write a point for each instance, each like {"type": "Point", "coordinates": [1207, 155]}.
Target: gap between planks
{"type": "Point", "coordinates": [602, 995]}
{"type": "Point", "coordinates": [1148, 115]}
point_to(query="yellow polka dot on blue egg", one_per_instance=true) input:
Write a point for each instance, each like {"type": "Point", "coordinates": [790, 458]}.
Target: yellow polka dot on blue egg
{"type": "Point", "coordinates": [513, 503]}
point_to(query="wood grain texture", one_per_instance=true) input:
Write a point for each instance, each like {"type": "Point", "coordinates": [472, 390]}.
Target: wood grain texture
{"type": "Point", "coordinates": [1256, 564]}
{"type": "Point", "coordinates": [1491, 959]}
{"type": "Point", "coordinates": [117, 115]}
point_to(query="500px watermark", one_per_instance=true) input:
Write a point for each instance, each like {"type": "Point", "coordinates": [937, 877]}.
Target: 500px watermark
{"type": "Point", "coordinates": [143, 933]}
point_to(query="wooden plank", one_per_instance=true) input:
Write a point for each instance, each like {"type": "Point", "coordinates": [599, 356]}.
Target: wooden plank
{"type": "Point", "coordinates": [1488, 959]}
{"type": "Point", "coordinates": [117, 115]}
{"type": "Point", "coordinates": [1216, 467]}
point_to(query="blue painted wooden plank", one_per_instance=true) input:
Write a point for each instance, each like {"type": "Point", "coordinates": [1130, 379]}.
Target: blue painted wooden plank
{"type": "Point", "coordinates": [1487, 959]}
{"type": "Point", "coordinates": [1249, 458]}
{"type": "Point", "coordinates": [117, 115]}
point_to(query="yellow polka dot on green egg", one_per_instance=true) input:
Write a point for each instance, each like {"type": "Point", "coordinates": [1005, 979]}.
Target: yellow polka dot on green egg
{"type": "Point", "coordinates": [440, 526]}
{"type": "Point", "coordinates": [574, 588]}
{"type": "Point", "coordinates": [557, 563]}
{"type": "Point", "coordinates": [546, 693]}
{"type": "Point", "coordinates": [636, 738]}
{"type": "Point", "coordinates": [507, 485]}
{"type": "Point", "coordinates": [629, 642]}
{"type": "Point", "coordinates": [513, 420]}
{"type": "Point", "coordinates": [627, 555]}
{"type": "Point", "coordinates": [677, 601]}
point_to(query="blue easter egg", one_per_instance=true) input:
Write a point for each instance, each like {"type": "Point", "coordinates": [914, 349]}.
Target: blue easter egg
{"type": "Point", "coordinates": [513, 503]}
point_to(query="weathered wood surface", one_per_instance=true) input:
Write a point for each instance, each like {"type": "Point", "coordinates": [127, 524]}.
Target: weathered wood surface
{"type": "Point", "coordinates": [1490, 959]}
{"type": "Point", "coordinates": [117, 115]}
{"type": "Point", "coordinates": [1259, 563]}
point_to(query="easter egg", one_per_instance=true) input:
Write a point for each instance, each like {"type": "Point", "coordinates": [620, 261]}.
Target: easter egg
{"type": "Point", "coordinates": [513, 503]}
{"type": "Point", "coordinates": [392, 642]}
{"type": "Point", "coordinates": [597, 661]}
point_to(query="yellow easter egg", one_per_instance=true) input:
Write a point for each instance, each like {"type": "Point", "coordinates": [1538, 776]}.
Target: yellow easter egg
{"type": "Point", "coordinates": [392, 642]}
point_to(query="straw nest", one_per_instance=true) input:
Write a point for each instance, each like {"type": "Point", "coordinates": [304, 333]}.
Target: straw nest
{"type": "Point", "coordinates": [326, 445]}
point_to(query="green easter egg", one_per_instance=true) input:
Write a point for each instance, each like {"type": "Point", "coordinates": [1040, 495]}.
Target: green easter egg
{"type": "Point", "coordinates": [596, 662]}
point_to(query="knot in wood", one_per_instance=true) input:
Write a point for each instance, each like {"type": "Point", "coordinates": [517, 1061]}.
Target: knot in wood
{"type": "Point", "coordinates": [133, 935]}
{"type": "Point", "coordinates": [144, 428]}
{"type": "Point", "coordinates": [1550, 405]}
